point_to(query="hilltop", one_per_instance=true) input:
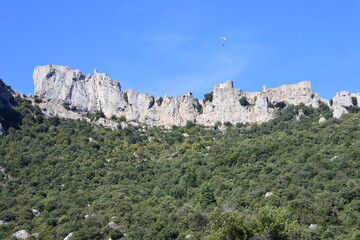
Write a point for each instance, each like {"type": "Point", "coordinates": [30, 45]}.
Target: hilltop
{"type": "Point", "coordinates": [60, 91]}
{"type": "Point", "coordinates": [289, 178]}
{"type": "Point", "coordinates": [66, 176]}
{"type": "Point", "coordinates": [86, 93]}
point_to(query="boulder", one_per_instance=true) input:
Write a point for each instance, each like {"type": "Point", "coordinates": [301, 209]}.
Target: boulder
{"type": "Point", "coordinates": [90, 215]}
{"type": "Point", "coordinates": [68, 236]}
{"type": "Point", "coordinates": [268, 194]}
{"type": "Point", "coordinates": [22, 234]}
{"type": "Point", "coordinates": [312, 226]}
{"type": "Point", "coordinates": [35, 212]}
{"type": "Point", "coordinates": [113, 225]}
{"type": "Point", "coordinates": [322, 119]}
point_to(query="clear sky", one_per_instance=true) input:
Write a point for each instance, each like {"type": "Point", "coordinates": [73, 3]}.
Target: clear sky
{"type": "Point", "coordinates": [174, 46]}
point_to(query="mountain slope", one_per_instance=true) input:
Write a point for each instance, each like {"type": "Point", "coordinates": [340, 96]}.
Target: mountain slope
{"type": "Point", "coordinates": [168, 184]}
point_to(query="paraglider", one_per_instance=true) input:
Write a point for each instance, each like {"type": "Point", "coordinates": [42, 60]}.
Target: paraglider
{"type": "Point", "coordinates": [223, 39]}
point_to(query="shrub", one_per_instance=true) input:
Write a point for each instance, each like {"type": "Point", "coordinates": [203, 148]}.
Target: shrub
{"type": "Point", "coordinates": [199, 108]}
{"type": "Point", "coordinates": [227, 124]}
{"type": "Point", "coordinates": [159, 101]}
{"type": "Point", "coordinates": [217, 125]}
{"type": "Point", "coordinates": [270, 104]}
{"type": "Point", "coordinates": [280, 105]}
{"type": "Point", "coordinates": [99, 114]}
{"type": "Point", "coordinates": [353, 109]}
{"type": "Point", "coordinates": [66, 106]}
{"type": "Point", "coordinates": [190, 124]}
{"type": "Point", "coordinates": [126, 98]}
{"type": "Point", "coordinates": [38, 100]}
{"type": "Point", "coordinates": [354, 101]}
{"type": "Point", "coordinates": [208, 97]}
{"type": "Point", "coordinates": [244, 102]}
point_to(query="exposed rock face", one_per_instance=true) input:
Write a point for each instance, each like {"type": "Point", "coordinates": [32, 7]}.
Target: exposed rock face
{"type": "Point", "coordinates": [60, 85]}
{"type": "Point", "coordinates": [68, 236]}
{"type": "Point", "coordinates": [341, 100]}
{"type": "Point", "coordinates": [22, 234]}
{"type": "Point", "coordinates": [226, 104]}
{"type": "Point", "coordinates": [322, 119]}
{"type": "Point", "coordinates": [6, 95]}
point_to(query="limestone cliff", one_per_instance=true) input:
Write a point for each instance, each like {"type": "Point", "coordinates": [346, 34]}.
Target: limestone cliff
{"type": "Point", "coordinates": [7, 95]}
{"type": "Point", "coordinates": [59, 85]}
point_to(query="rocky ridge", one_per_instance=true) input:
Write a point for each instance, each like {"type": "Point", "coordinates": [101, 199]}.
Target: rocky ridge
{"type": "Point", "coordinates": [7, 95]}
{"type": "Point", "coordinates": [71, 94]}
{"type": "Point", "coordinates": [59, 86]}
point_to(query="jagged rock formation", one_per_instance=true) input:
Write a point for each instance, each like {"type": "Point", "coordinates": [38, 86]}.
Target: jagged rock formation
{"type": "Point", "coordinates": [341, 100]}
{"type": "Point", "coordinates": [259, 106]}
{"type": "Point", "coordinates": [7, 95]}
{"type": "Point", "coordinates": [59, 85]}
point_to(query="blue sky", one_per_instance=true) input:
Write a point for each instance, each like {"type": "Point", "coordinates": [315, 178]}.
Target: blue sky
{"type": "Point", "coordinates": [174, 46]}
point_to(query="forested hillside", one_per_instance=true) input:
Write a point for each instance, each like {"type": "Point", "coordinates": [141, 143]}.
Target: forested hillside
{"type": "Point", "coordinates": [190, 182]}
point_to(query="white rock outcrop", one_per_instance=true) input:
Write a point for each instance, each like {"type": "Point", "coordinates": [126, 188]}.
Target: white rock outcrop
{"type": "Point", "coordinates": [340, 101]}
{"type": "Point", "coordinates": [22, 234]}
{"type": "Point", "coordinates": [68, 236]}
{"type": "Point", "coordinates": [322, 119]}
{"type": "Point", "coordinates": [59, 85]}
{"type": "Point", "coordinates": [35, 212]}
{"type": "Point", "coordinates": [268, 194]}
{"type": "Point", "coordinates": [113, 225]}
{"type": "Point", "coordinates": [312, 226]}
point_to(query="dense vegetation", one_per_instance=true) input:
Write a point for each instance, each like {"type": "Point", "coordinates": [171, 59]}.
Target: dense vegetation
{"type": "Point", "coordinates": [167, 184]}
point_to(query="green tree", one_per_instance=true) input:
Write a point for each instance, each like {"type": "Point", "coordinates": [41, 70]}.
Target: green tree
{"type": "Point", "coordinates": [208, 97]}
